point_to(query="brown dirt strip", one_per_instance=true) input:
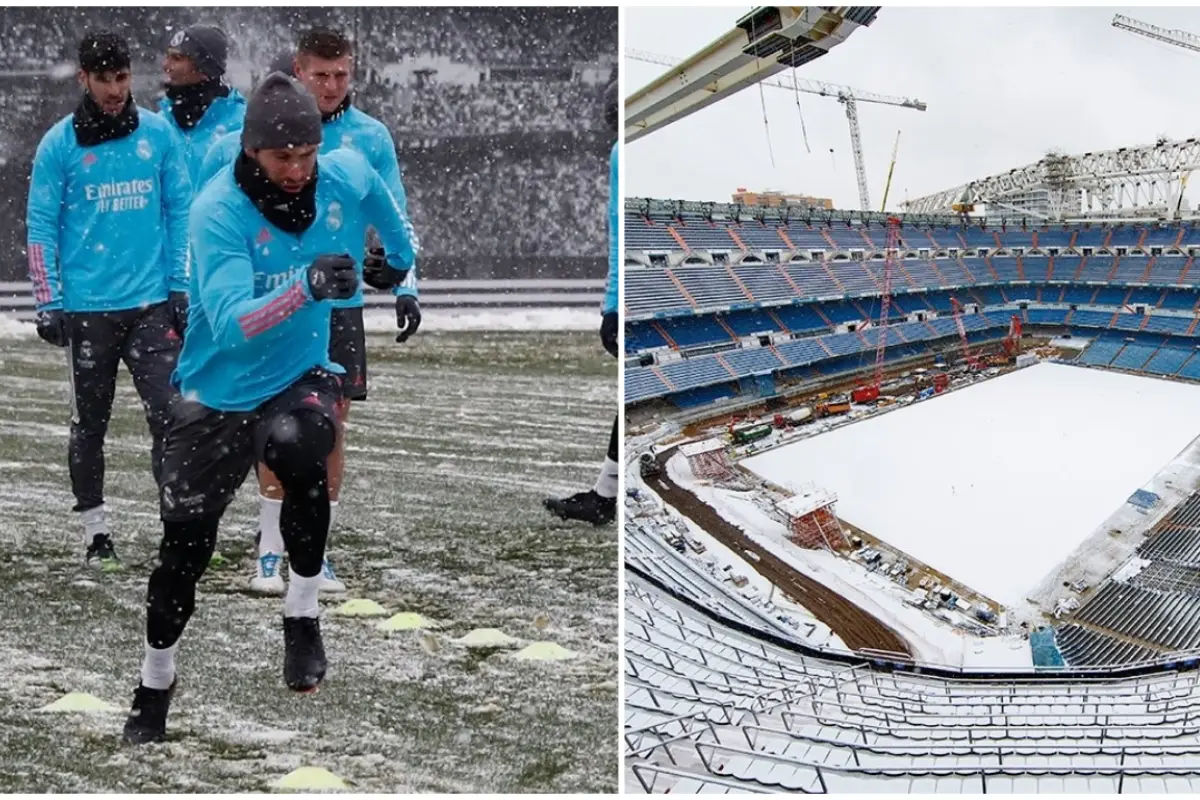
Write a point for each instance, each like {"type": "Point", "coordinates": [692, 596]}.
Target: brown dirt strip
{"type": "Point", "coordinates": [857, 628]}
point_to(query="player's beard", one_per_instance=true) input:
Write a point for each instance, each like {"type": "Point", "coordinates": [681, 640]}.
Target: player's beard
{"type": "Point", "coordinates": [292, 212]}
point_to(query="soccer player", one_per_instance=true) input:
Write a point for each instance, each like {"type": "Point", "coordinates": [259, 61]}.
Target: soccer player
{"type": "Point", "coordinates": [598, 505]}
{"type": "Point", "coordinates": [255, 373]}
{"type": "Point", "coordinates": [198, 103]}
{"type": "Point", "coordinates": [107, 246]}
{"type": "Point", "coordinates": [323, 63]}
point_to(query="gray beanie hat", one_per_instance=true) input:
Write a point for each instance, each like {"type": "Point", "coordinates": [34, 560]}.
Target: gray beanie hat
{"type": "Point", "coordinates": [207, 47]}
{"type": "Point", "coordinates": [281, 113]}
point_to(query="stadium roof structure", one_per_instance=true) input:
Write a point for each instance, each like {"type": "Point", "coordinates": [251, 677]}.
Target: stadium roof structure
{"type": "Point", "coordinates": [1142, 182]}
{"type": "Point", "coordinates": [761, 44]}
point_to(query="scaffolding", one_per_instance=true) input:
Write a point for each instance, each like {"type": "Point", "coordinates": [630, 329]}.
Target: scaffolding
{"type": "Point", "coordinates": [708, 459]}
{"type": "Point", "coordinates": [811, 520]}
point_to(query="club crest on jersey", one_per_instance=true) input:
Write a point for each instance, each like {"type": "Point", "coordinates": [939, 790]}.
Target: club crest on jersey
{"type": "Point", "coordinates": [333, 217]}
{"type": "Point", "coordinates": [220, 130]}
{"type": "Point", "coordinates": [89, 159]}
{"type": "Point", "coordinates": [144, 150]}
{"type": "Point", "coordinates": [178, 38]}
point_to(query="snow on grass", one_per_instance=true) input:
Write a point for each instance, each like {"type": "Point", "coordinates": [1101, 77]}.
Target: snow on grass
{"type": "Point", "coordinates": [441, 515]}
{"type": "Point", "coordinates": [997, 483]}
{"type": "Point", "coordinates": [504, 319]}
{"type": "Point", "coordinates": [13, 328]}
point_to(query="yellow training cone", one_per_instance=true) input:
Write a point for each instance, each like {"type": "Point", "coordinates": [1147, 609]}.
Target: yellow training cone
{"type": "Point", "coordinates": [79, 702]}
{"type": "Point", "coordinates": [309, 778]}
{"type": "Point", "coordinates": [360, 608]}
{"type": "Point", "coordinates": [405, 621]}
{"type": "Point", "coordinates": [487, 637]}
{"type": "Point", "coordinates": [544, 651]}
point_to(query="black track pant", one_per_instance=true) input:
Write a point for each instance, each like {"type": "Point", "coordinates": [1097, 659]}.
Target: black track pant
{"type": "Point", "coordinates": [100, 341]}
{"type": "Point", "coordinates": [612, 443]}
{"type": "Point", "coordinates": [208, 456]}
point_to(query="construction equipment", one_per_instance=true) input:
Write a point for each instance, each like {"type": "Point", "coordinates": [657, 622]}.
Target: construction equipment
{"type": "Point", "coordinates": [846, 95]}
{"type": "Point", "coordinates": [1012, 342]}
{"type": "Point", "coordinates": [869, 392]}
{"type": "Point", "coordinates": [974, 363]}
{"type": "Point", "coordinates": [1188, 41]}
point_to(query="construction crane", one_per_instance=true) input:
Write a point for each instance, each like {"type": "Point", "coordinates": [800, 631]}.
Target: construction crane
{"type": "Point", "coordinates": [1188, 41]}
{"type": "Point", "coordinates": [869, 392]}
{"type": "Point", "coordinates": [973, 363]}
{"type": "Point", "coordinates": [846, 95]}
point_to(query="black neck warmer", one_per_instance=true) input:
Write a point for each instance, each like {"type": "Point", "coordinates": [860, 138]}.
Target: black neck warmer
{"type": "Point", "coordinates": [190, 103]}
{"type": "Point", "coordinates": [93, 126]}
{"type": "Point", "coordinates": [337, 112]}
{"type": "Point", "coordinates": [293, 213]}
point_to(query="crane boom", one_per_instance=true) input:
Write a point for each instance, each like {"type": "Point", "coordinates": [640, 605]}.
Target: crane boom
{"type": "Point", "coordinates": [891, 249]}
{"type": "Point", "coordinates": [846, 95]}
{"type": "Point", "coordinates": [1179, 38]}
{"type": "Point", "coordinates": [821, 88]}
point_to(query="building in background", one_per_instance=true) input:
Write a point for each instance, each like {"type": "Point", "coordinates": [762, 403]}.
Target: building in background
{"type": "Point", "coordinates": [774, 199]}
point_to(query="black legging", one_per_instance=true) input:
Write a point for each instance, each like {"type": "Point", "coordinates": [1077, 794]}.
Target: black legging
{"type": "Point", "coordinates": [612, 442]}
{"type": "Point", "coordinates": [297, 446]}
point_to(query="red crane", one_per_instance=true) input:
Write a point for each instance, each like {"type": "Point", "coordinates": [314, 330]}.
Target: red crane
{"type": "Point", "coordinates": [973, 362]}
{"type": "Point", "coordinates": [869, 392]}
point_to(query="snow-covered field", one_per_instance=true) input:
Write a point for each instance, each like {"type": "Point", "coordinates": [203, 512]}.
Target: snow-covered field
{"type": "Point", "coordinates": [997, 483]}
{"type": "Point", "coordinates": [449, 460]}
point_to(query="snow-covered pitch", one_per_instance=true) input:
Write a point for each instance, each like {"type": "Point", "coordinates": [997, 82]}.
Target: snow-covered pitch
{"type": "Point", "coordinates": [997, 483]}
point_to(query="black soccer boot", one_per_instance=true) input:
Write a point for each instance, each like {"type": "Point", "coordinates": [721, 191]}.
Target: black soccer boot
{"type": "Point", "coordinates": [303, 654]}
{"type": "Point", "coordinates": [147, 721]}
{"type": "Point", "coordinates": [585, 507]}
{"type": "Point", "coordinates": [102, 554]}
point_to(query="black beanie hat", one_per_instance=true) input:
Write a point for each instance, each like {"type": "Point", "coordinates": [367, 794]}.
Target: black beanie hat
{"type": "Point", "coordinates": [102, 52]}
{"type": "Point", "coordinates": [285, 62]}
{"type": "Point", "coordinates": [207, 47]}
{"type": "Point", "coordinates": [281, 113]}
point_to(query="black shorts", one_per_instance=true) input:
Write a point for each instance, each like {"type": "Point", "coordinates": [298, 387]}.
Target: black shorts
{"type": "Point", "coordinates": [348, 347]}
{"type": "Point", "coordinates": [209, 453]}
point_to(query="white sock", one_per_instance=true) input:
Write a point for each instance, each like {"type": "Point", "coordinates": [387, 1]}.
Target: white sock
{"type": "Point", "coordinates": [268, 523]}
{"type": "Point", "coordinates": [158, 667]}
{"type": "Point", "coordinates": [301, 599]}
{"type": "Point", "coordinates": [94, 523]}
{"type": "Point", "coordinates": [333, 507]}
{"type": "Point", "coordinates": [606, 484]}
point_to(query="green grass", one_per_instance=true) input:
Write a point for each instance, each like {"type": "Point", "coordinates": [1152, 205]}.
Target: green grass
{"type": "Point", "coordinates": [449, 460]}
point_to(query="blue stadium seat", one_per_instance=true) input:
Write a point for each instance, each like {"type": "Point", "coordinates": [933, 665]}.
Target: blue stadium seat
{"type": "Point", "coordinates": [648, 291]}
{"type": "Point", "coordinates": [1181, 300]}
{"type": "Point", "coordinates": [765, 282]}
{"type": "Point", "coordinates": [1134, 356]}
{"type": "Point", "coordinates": [1036, 268]}
{"type": "Point", "coordinates": [752, 361]}
{"type": "Point", "coordinates": [801, 319]}
{"type": "Point", "coordinates": [711, 286]}
{"type": "Point", "coordinates": [746, 323]}
{"type": "Point", "coordinates": [641, 234]}
{"type": "Point", "coordinates": [1166, 270]}
{"type": "Point", "coordinates": [760, 236]}
{"type": "Point", "coordinates": [701, 234]}
{"type": "Point", "coordinates": [695, 331]}
{"type": "Point", "coordinates": [640, 336]}
{"type": "Point", "coordinates": [813, 280]}
{"type": "Point", "coordinates": [1170, 358]}
{"type": "Point", "coordinates": [1110, 296]}
{"type": "Point", "coordinates": [642, 383]}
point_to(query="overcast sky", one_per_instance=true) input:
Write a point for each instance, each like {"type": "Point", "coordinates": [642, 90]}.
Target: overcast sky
{"type": "Point", "coordinates": [1003, 86]}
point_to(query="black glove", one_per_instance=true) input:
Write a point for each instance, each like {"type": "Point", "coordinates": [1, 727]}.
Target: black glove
{"type": "Point", "coordinates": [608, 333]}
{"type": "Point", "coordinates": [332, 278]}
{"type": "Point", "coordinates": [408, 316]}
{"type": "Point", "coordinates": [52, 327]}
{"type": "Point", "coordinates": [378, 273]}
{"type": "Point", "coordinates": [178, 303]}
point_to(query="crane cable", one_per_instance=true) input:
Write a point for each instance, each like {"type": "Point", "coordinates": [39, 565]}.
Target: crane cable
{"type": "Point", "coordinates": [766, 125]}
{"type": "Point", "coordinates": [803, 130]}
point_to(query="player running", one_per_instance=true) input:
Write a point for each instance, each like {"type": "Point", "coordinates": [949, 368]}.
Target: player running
{"type": "Point", "coordinates": [198, 103]}
{"type": "Point", "coordinates": [255, 373]}
{"type": "Point", "coordinates": [598, 505]}
{"type": "Point", "coordinates": [107, 245]}
{"type": "Point", "coordinates": [324, 63]}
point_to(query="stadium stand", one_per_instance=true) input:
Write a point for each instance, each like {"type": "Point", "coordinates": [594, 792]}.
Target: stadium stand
{"type": "Point", "coordinates": [821, 280]}
{"type": "Point", "coordinates": [711, 707]}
